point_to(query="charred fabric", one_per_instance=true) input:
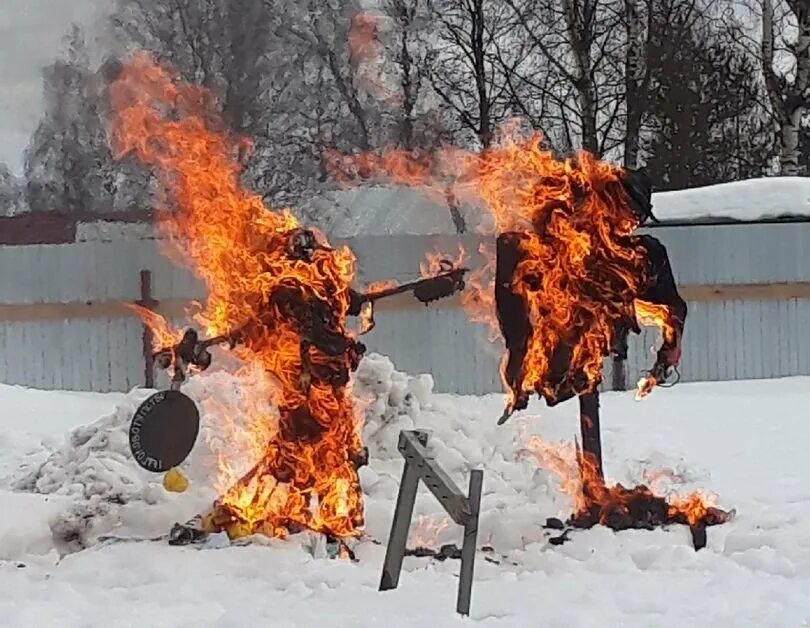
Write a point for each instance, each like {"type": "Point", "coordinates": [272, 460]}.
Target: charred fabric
{"type": "Point", "coordinates": [571, 277]}
{"type": "Point", "coordinates": [520, 308]}
{"type": "Point", "coordinates": [328, 354]}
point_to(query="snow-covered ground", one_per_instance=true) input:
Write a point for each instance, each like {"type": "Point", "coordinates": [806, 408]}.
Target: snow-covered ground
{"type": "Point", "coordinates": [744, 441]}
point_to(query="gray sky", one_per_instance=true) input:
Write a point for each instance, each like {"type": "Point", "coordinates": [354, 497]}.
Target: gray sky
{"type": "Point", "coordinates": [31, 34]}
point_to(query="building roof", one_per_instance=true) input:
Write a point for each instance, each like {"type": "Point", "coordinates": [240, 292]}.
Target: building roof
{"type": "Point", "coordinates": [390, 210]}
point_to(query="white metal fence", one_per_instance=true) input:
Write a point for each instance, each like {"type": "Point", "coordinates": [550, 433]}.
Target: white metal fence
{"type": "Point", "coordinates": [61, 324]}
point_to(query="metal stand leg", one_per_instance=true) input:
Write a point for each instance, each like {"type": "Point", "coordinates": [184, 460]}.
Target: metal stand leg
{"type": "Point", "coordinates": [468, 548]}
{"type": "Point", "coordinates": [463, 509]}
{"type": "Point", "coordinates": [398, 539]}
{"type": "Point", "coordinates": [590, 429]}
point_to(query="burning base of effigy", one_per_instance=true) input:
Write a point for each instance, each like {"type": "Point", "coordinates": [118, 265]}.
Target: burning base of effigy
{"type": "Point", "coordinates": [616, 506]}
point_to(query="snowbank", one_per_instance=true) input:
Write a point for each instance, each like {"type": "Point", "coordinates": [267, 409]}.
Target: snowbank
{"type": "Point", "coordinates": [35, 422]}
{"type": "Point", "coordinates": [105, 491]}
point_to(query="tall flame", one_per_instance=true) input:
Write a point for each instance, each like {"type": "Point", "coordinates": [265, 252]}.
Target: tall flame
{"type": "Point", "coordinates": [579, 269]}
{"type": "Point", "coordinates": [305, 476]}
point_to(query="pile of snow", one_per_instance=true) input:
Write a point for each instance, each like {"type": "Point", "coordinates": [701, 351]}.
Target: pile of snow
{"type": "Point", "coordinates": [107, 492]}
{"type": "Point", "coordinates": [97, 482]}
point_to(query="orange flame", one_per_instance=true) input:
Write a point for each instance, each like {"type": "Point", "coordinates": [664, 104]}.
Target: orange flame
{"type": "Point", "coordinates": [426, 531]}
{"type": "Point", "coordinates": [437, 262]}
{"type": "Point", "coordinates": [578, 477]}
{"type": "Point", "coordinates": [693, 507]}
{"type": "Point", "coordinates": [163, 335]}
{"type": "Point", "coordinates": [366, 56]}
{"type": "Point", "coordinates": [653, 315]}
{"type": "Point", "coordinates": [645, 386]}
{"type": "Point", "coordinates": [305, 476]}
{"type": "Point", "coordinates": [579, 270]}
{"type": "Point", "coordinates": [561, 460]}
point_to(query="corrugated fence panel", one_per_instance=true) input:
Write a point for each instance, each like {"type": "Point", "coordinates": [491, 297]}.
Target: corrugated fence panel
{"type": "Point", "coordinates": [96, 354]}
{"type": "Point", "coordinates": [723, 340]}
{"type": "Point", "coordinates": [89, 271]}
{"type": "Point", "coordinates": [440, 341]}
{"type": "Point", "coordinates": [727, 340]}
{"type": "Point", "coordinates": [738, 253]}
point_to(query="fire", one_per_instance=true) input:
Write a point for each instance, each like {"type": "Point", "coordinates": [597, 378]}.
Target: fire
{"type": "Point", "coordinates": [436, 262]}
{"type": "Point", "coordinates": [653, 315]}
{"type": "Point", "coordinates": [426, 531]}
{"type": "Point", "coordinates": [567, 272]}
{"type": "Point", "coordinates": [163, 335]}
{"type": "Point", "coordinates": [306, 470]}
{"type": "Point", "coordinates": [694, 507]}
{"type": "Point", "coordinates": [645, 386]}
{"type": "Point", "coordinates": [367, 59]}
{"type": "Point", "coordinates": [595, 502]}
{"type": "Point", "coordinates": [561, 460]}
{"type": "Point", "coordinates": [578, 269]}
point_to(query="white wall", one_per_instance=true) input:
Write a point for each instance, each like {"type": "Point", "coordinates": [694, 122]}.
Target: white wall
{"type": "Point", "coordinates": [723, 340]}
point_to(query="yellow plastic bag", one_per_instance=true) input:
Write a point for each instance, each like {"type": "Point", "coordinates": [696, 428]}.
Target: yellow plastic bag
{"type": "Point", "coordinates": [174, 481]}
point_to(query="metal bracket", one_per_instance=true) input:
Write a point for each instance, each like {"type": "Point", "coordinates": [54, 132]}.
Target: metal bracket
{"type": "Point", "coordinates": [463, 510]}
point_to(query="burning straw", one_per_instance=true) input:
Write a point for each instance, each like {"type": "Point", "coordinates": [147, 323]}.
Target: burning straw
{"type": "Point", "coordinates": [306, 458]}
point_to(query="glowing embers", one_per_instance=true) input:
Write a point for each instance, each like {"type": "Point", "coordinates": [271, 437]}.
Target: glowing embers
{"type": "Point", "coordinates": [579, 475]}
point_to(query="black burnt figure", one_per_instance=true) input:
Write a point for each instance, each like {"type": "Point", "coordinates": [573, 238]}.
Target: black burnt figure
{"type": "Point", "coordinates": [321, 368]}
{"type": "Point", "coordinates": [652, 292]}
{"type": "Point", "coordinates": [657, 287]}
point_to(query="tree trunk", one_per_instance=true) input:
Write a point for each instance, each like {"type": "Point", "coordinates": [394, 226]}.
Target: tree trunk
{"type": "Point", "coordinates": [478, 45]}
{"type": "Point", "coordinates": [789, 154]}
{"type": "Point", "coordinates": [579, 20]}
{"type": "Point", "coordinates": [789, 100]}
{"type": "Point", "coordinates": [634, 95]}
{"type": "Point", "coordinates": [798, 103]}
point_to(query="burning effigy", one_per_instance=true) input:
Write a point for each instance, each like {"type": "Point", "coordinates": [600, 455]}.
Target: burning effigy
{"type": "Point", "coordinates": [568, 276]}
{"type": "Point", "coordinates": [278, 294]}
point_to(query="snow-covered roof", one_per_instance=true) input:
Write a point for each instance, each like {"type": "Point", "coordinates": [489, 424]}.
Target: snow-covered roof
{"type": "Point", "coordinates": [379, 210]}
{"type": "Point", "coordinates": [744, 201]}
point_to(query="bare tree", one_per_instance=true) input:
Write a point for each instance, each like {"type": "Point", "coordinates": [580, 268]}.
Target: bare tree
{"type": "Point", "coordinates": [467, 71]}
{"type": "Point", "coordinates": [785, 56]}
{"type": "Point", "coordinates": [420, 125]}
{"type": "Point", "coordinates": [417, 124]}
{"type": "Point", "coordinates": [638, 21]}
{"type": "Point", "coordinates": [238, 50]}
{"type": "Point", "coordinates": [578, 70]}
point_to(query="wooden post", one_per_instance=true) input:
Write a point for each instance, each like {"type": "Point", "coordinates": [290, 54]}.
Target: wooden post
{"type": "Point", "coordinates": [619, 375]}
{"type": "Point", "coordinates": [590, 430]}
{"type": "Point", "coordinates": [149, 303]}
